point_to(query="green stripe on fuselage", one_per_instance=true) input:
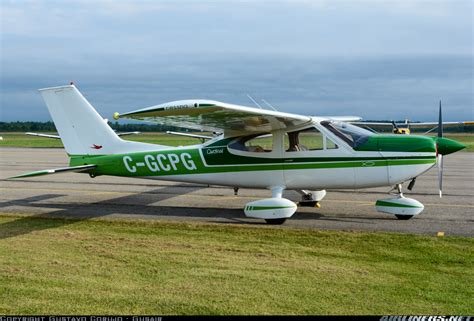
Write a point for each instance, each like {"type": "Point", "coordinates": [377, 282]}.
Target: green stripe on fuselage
{"type": "Point", "coordinates": [189, 161]}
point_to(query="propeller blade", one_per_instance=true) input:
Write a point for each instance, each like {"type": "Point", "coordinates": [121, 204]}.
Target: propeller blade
{"type": "Point", "coordinates": [440, 174]}
{"type": "Point", "coordinates": [394, 125]}
{"type": "Point", "coordinates": [440, 122]}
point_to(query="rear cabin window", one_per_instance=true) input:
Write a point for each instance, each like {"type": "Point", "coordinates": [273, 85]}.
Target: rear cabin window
{"type": "Point", "coordinates": [256, 143]}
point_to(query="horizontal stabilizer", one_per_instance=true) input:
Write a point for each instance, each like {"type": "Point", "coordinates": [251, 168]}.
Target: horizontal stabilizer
{"type": "Point", "coordinates": [128, 133]}
{"type": "Point", "coordinates": [188, 135]}
{"type": "Point", "coordinates": [43, 135]}
{"type": "Point", "coordinates": [82, 168]}
{"type": "Point", "coordinates": [57, 136]}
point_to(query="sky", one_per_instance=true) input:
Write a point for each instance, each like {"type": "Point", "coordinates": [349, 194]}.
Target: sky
{"type": "Point", "coordinates": [372, 58]}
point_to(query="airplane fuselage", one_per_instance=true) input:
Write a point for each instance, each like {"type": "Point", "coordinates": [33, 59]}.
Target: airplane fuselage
{"type": "Point", "coordinates": [257, 149]}
{"type": "Point", "coordinates": [383, 160]}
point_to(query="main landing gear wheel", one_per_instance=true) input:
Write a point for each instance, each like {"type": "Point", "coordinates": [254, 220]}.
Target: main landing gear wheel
{"type": "Point", "coordinates": [404, 217]}
{"type": "Point", "coordinates": [275, 221]}
{"type": "Point", "coordinates": [309, 204]}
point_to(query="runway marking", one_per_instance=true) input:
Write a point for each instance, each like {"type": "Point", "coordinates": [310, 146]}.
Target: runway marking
{"type": "Point", "coordinates": [359, 203]}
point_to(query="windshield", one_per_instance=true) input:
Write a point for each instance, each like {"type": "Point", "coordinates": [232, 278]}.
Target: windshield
{"type": "Point", "coordinates": [353, 135]}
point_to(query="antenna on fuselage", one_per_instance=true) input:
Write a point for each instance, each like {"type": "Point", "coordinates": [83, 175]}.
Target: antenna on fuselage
{"type": "Point", "coordinates": [269, 105]}
{"type": "Point", "coordinates": [253, 100]}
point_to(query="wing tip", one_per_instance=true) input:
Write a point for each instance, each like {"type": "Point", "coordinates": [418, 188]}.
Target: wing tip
{"type": "Point", "coordinates": [56, 88]}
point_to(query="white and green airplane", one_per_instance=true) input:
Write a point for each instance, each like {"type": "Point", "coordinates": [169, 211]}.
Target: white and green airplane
{"type": "Point", "coordinates": [255, 148]}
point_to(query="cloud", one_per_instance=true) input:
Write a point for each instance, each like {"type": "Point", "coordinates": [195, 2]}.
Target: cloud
{"type": "Point", "coordinates": [370, 87]}
{"type": "Point", "coordinates": [332, 57]}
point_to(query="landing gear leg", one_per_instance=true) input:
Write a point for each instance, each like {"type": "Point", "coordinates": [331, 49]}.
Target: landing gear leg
{"type": "Point", "coordinates": [399, 190]}
{"type": "Point", "coordinates": [400, 195]}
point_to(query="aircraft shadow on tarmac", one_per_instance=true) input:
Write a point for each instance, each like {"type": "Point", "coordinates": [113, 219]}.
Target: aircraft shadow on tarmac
{"type": "Point", "coordinates": [72, 213]}
{"type": "Point", "coordinates": [136, 205]}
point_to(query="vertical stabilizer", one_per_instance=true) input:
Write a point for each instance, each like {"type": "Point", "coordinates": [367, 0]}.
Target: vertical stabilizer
{"type": "Point", "coordinates": [82, 130]}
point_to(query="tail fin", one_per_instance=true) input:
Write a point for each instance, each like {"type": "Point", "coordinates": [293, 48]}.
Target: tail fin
{"type": "Point", "coordinates": [82, 130]}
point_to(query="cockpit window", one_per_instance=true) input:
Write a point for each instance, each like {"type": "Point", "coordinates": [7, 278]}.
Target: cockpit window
{"type": "Point", "coordinates": [309, 139]}
{"type": "Point", "coordinates": [353, 135]}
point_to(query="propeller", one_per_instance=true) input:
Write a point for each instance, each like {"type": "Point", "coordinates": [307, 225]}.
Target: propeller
{"type": "Point", "coordinates": [439, 157]}
{"type": "Point", "coordinates": [395, 127]}
{"type": "Point", "coordinates": [440, 122]}
{"type": "Point", "coordinates": [440, 174]}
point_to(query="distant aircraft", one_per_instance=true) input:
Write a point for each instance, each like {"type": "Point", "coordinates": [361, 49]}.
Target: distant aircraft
{"type": "Point", "coordinates": [405, 127]}
{"type": "Point", "coordinates": [256, 148]}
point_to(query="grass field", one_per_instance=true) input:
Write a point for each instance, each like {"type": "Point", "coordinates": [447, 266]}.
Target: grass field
{"type": "Point", "coordinates": [22, 140]}
{"type": "Point", "coordinates": [58, 266]}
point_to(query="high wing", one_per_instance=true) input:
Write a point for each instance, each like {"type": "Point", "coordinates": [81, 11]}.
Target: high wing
{"type": "Point", "coordinates": [412, 124]}
{"type": "Point", "coordinates": [214, 116]}
{"type": "Point", "coordinates": [58, 137]}
{"type": "Point", "coordinates": [349, 119]}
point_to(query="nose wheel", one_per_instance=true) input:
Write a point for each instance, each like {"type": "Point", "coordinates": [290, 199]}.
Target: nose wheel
{"type": "Point", "coordinates": [311, 199]}
{"type": "Point", "coordinates": [404, 217]}
{"type": "Point", "coordinates": [275, 221]}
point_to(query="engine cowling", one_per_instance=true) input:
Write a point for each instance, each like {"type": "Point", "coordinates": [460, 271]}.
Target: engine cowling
{"type": "Point", "coordinates": [270, 208]}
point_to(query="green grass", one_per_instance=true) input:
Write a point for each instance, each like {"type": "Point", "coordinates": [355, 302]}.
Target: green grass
{"type": "Point", "coordinates": [165, 139]}
{"type": "Point", "coordinates": [22, 140]}
{"type": "Point", "coordinates": [58, 266]}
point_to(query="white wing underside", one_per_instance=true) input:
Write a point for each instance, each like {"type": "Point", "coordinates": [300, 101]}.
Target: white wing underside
{"type": "Point", "coordinates": [413, 125]}
{"type": "Point", "coordinates": [214, 116]}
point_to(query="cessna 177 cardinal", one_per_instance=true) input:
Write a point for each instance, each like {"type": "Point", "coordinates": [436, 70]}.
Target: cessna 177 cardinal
{"type": "Point", "coordinates": [256, 148]}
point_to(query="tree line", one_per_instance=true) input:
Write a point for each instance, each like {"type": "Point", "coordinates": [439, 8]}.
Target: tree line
{"type": "Point", "coordinates": [48, 126]}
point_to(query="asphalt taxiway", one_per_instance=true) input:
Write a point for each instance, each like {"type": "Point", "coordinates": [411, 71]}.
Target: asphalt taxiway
{"type": "Point", "coordinates": [74, 195]}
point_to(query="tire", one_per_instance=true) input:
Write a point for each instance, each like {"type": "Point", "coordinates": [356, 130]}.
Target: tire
{"type": "Point", "coordinates": [404, 217]}
{"type": "Point", "coordinates": [308, 204]}
{"type": "Point", "coordinates": [275, 221]}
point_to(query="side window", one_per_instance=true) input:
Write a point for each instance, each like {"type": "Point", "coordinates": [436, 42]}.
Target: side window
{"type": "Point", "coordinates": [304, 140]}
{"type": "Point", "coordinates": [256, 144]}
{"type": "Point", "coordinates": [309, 139]}
{"type": "Point", "coordinates": [330, 144]}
